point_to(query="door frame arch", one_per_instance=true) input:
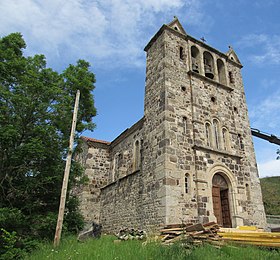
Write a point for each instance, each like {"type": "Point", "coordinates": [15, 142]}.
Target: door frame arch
{"type": "Point", "coordinates": [232, 192]}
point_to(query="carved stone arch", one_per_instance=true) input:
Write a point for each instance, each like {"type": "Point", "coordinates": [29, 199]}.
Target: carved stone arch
{"type": "Point", "coordinates": [225, 172]}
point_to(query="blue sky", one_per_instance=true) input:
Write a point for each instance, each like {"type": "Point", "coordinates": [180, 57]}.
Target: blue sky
{"type": "Point", "coordinates": [111, 35]}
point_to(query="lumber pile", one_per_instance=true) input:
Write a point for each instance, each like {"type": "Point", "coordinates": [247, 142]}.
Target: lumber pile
{"type": "Point", "coordinates": [191, 233]}
{"type": "Point", "coordinates": [245, 235]}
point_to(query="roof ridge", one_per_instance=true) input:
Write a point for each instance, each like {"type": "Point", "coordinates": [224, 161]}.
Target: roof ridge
{"type": "Point", "coordinates": [90, 139]}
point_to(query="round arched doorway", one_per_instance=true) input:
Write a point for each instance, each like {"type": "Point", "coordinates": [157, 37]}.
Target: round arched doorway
{"type": "Point", "coordinates": [220, 196]}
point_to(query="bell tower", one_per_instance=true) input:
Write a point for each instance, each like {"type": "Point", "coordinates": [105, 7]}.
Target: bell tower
{"type": "Point", "coordinates": [195, 105]}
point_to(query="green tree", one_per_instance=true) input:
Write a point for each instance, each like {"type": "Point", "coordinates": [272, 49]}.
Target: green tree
{"type": "Point", "coordinates": [36, 105]}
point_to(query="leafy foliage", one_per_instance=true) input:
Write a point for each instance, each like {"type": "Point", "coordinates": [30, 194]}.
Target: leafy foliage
{"type": "Point", "coordinates": [8, 249]}
{"type": "Point", "coordinates": [36, 105]}
{"type": "Point", "coordinates": [271, 194]}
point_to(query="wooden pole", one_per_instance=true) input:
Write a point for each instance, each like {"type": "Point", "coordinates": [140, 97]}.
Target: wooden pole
{"type": "Point", "coordinates": [66, 174]}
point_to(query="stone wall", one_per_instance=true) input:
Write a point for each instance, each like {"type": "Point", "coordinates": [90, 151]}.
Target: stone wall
{"type": "Point", "coordinates": [193, 128]}
{"type": "Point", "coordinates": [95, 158]}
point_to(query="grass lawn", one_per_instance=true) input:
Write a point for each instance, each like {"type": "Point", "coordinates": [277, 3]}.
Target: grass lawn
{"type": "Point", "coordinates": [106, 249]}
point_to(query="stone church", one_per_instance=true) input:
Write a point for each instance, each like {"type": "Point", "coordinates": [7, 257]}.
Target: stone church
{"type": "Point", "coordinates": [190, 159]}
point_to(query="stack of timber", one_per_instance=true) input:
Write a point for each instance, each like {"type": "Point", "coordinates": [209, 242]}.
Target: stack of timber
{"type": "Point", "coordinates": [250, 235]}
{"type": "Point", "coordinates": [191, 233]}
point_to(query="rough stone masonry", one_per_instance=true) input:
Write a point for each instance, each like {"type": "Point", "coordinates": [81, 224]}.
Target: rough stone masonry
{"type": "Point", "coordinates": [190, 158]}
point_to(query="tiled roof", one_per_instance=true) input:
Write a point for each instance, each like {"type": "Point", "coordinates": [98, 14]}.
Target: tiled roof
{"type": "Point", "coordinates": [85, 138]}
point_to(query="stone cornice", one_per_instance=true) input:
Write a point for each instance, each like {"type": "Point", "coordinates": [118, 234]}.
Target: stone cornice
{"type": "Point", "coordinates": [212, 150]}
{"type": "Point", "coordinates": [218, 84]}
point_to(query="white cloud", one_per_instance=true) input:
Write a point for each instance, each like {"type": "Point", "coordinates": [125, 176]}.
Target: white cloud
{"type": "Point", "coordinates": [102, 31]}
{"type": "Point", "coordinates": [266, 46]}
{"type": "Point", "coordinates": [266, 114]}
{"type": "Point", "coordinates": [269, 168]}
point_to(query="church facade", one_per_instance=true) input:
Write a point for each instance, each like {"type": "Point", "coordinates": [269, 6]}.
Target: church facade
{"type": "Point", "coordinates": [190, 159]}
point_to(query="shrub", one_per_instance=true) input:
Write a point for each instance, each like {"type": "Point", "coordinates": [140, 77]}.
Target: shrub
{"type": "Point", "coordinates": [12, 219]}
{"type": "Point", "coordinates": [9, 248]}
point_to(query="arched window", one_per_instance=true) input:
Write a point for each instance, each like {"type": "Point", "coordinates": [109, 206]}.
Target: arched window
{"type": "Point", "coordinates": [136, 163]}
{"type": "Point", "coordinates": [221, 72]}
{"type": "Point", "coordinates": [216, 133]}
{"type": "Point", "coordinates": [187, 183]}
{"type": "Point", "coordinates": [208, 134]}
{"type": "Point", "coordinates": [195, 59]}
{"type": "Point", "coordinates": [208, 65]}
{"type": "Point", "coordinates": [225, 139]}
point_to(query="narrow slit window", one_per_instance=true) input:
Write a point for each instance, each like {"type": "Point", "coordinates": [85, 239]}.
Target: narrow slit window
{"type": "Point", "coordinates": [208, 134]}
{"type": "Point", "coordinates": [136, 164]}
{"type": "Point", "coordinates": [216, 133]}
{"type": "Point", "coordinates": [225, 139]}
{"type": "Point", "coordinates": [187, 183]}
{"type": "Point", "coordinates": [184, 124]}
{"type": "Point", "coordinates": [115, 167]}
{"type": "Point", "coordinates": [181, 50]}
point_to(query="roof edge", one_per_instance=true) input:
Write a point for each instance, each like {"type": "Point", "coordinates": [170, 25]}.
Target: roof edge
{"type": "Point", "coordinates": [89, 139]}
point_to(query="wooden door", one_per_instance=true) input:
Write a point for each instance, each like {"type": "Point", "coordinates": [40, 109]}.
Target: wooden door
{"type": "Point", "coordinates": [217, 206]}
{"type": "Point", "coordinates": [225, 208]}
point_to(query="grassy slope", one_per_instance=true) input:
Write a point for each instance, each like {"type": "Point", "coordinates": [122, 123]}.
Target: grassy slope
{"type": "Point", "coordinates": [271, 195]}
{"type": "Point", "coordinates": [106, 249]}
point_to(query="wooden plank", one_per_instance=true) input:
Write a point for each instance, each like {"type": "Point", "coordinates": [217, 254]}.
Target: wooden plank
{"type": "Point", "coordinates": [197, 233]}
{"type": "Point", "coordinates": [165, 238]}
{"type": "Point", "coordinates": [235, 230]}
{"type": "Point", "coordinates": [255, 234]}
{"type": "Point", "coordinates": [196, 227]}
{"type": "Point", "coordinates": [210, 224]}
{"type": "Point", "coordinates": [172, 229]}
{"type": "Point", "coordinates": [253, 239]}
{"type": "Point", "coordinates": [172, 232]}
{"type": "Point", "coordinates": [177, 225]}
